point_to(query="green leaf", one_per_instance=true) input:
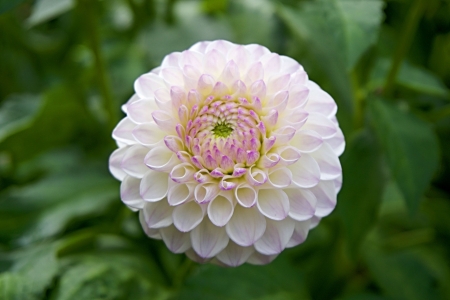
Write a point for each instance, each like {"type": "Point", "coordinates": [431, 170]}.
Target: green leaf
{"type": "Point", "coordinates": [274, 281]}
{"type": "Point", "coordinates": [402, 275]}
{"type": "Point", "coordinates": [44, 10]}
{"type": "Point", "coordinates": [411, 148]}
{"type": "Point", "coordinates": [6, 5]}
{"type": "Point", "coordinates": [343, 29]}
{"type": "Point", "coordinates": [12, 287]}
{"type": "Point", "coordinates": [17, 113]}
{"type": "Point", "coordinates": [364, 179]}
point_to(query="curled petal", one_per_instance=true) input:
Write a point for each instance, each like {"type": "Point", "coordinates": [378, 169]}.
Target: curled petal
{"type": "Point", "coordinates": [148, 134]}
{"type": "Point", "coordinates": [256, 176]}
{"type": "Point", "coordinates": [245, 195]}
{"type": "Point", "coordinates": [187, 216]}
{"type": "Point", "coordinates": [208, 240]}
{"type": "Point", "coordinates": [246, 226]}
{"type": "Point", "coordinates": [154, 186]}
{"type": "Point", "coordinates": [161, 159]}
{"type": "Point", "coordinates": [183, 173]}
{"type": "Point", "coordinates": [164, 121]}
{"type": "Point", "coordinates": [133, 161]}
{"type": "Point", "coordinates": [283, 135]}
{"type": "Point", "coordinates": [129, 193]}
{"type": "Point", "coordinates": [274, 204]}
{"type": "Point", "coordinates": [280, 178]}
{"type": "Point", "coordinates": [307, 141]}
{"type": "Point", "coordinates": [305, 172]}
{"type": "Point", "coordinates": [302, 204]}
{"type": "Point", "coordinates": [157, 214]}
{"type": "Point", "coordinates": [174, 143]}
{"type": "Point", "coordinates": [206, 192]}
{"type": "Point", "coordinates": [180, 193]}
{"type": "Point", "coordinates": [269, 160]}
{"type": "Point", "coordinates": [288, 155]}
{"type": "Point", "coordinates": [220, 210]}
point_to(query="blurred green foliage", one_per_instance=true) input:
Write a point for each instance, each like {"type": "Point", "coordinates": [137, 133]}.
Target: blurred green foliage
{"type": "Point", "coordinates": [66, 66]}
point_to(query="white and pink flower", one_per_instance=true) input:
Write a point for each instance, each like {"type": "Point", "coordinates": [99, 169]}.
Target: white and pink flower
{"type": "Point", "coordinates": [229, 153]}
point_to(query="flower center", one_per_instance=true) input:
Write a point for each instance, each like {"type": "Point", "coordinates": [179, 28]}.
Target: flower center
{"type": "Point", "coordinates": [222, 129]}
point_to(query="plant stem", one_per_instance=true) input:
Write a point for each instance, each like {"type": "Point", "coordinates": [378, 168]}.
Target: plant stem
{"type": "Point", "coordinates": [88, 10]}
{"type": "Point", "coordinates": [406, 37]}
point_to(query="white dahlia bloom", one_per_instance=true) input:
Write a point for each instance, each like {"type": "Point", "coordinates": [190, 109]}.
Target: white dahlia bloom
{"type": "Point", "coordinates": [229, 153]}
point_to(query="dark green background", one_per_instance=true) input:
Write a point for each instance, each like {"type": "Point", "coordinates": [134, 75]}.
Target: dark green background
{"type": "Point", "coordinates": [66, 66]}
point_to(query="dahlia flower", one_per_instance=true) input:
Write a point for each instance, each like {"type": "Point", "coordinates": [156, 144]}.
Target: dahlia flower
{"type": "Point", "coordinates": [229, 153]}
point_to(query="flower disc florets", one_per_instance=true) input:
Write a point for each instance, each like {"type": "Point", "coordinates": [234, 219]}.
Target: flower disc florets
{"type": "Point", "coordinates": [229, 153]}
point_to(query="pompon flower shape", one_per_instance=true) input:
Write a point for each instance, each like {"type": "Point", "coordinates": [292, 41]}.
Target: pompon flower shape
{"type": "Point", "coordinates": [229, 153]}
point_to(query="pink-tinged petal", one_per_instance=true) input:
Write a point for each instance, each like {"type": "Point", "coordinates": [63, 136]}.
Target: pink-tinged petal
{"type": "Point", "coordinates": [320, 124]}
{"type": "Point", "coordinates": [187, 216]}
{"type": "Point", "coordinates": [257, 51]}
{"type": "Point", "coordinates": [154, 186]}
{"type": "Point", "coordinates": [183, 173]}
{"type": "Point", "coordinates": [171, 60]}
{"type": "Point", "coordinates": [205, 84]}
{"type": "Point", "coordinates": [220, 89]}
{"type": "Point", "coordinates": [193, 58]}
{"type": "Point", "coordinates": [289, 65]}
{"type": "Point", "coordinates": [133, 98]}
{"type": "Point", "coordinates": [220, 210]}
{"type": "Point", "coordinates": [206, 192]}
{"type": "Point", "coordinates": [115, 161]}
{"type": "Point", "coordinates": [260, 259]}
{"type": "Point", "coordinates": [276, 236]}
{"type": "Point", "coordinates": [165, 121]}
{"type": "Point", "coordinates": [302, 204]}
{"type": "Point", "coordinates": [245, 195]}
{"type": "Point", "coordinates": [239, 89]}
{"type": "Point", "coordinates": [208, 240]}
{"type": "Point", "coordinates": [150, 232]}
{"type": "Point", "coordinates": [200, 47]}
{"type": "Point", "coordinates": [141, 111]}
{"type": "Point", "coordinates": [337, 142]}
{"type": "Point", "coordinates": [274, 204]}
{"type": "Point", "coordinates": [234, 255]}
{"type": "Point", "coordinates": [305, 172]}
{"type": "Point", "coordinates": [283, 135]}
{"type": "Point", "coordinates": [230, 73]}
{"type": "Point", "coordinates": [271, 63]}
{"type": "Point", "coordinates": [246, 226]}
{"type": "Point", "coordinates": [326, 197]}
{"type": "Point", "coordinates": [298, 96]}
{"type": "Point", "coordinates": [258, 89]}
{"type": "Point", "coordinates": [177, 96]}
{"type": "Point", "coordinates": [192, 255]}
{"type": "Point", "coordinates": [278, 83]}
{"type": "Point", "coordinates": [157, 214]}
{"type": "Point", "coordinates": [240, 55]}
{"type": "Point", "coordinates": [300, 233]}
{"type": "Point", "coordinates": [129, 193]}
{"type": "Point", "coordinates": [306, 141]}
{"type": "Point", "coordinates": [288, 155]}
{"type": "Point", "coordinates": [255, 176]}
{"type": "Point", "coordinates": [314, 222]}
{"type": "Point", "coordinates": [338, 183]}
{"type": "Point", "coordinates": [147, 84]}
{"type": "Point", "coordinates": [268, 160]}
{"type": "Point", "coordinates": [271, 119]}
{"type": "Point", "coordinates": [329, 164]}
{"type": "Point", "coordinates": [294, 117]}
{"type": "Point", "coordinates": [161, 159]}
{"type": "Point", "coordinates": [148, 134]}
{"type": "Point", "coordinates": [214, 62]}
{"type": "Point", "coordinates": [175, 240]}
{"type": "Point", "coordinates": [255, 73]}
{"type": "Point", "coordinates": [123, 131]}
{"type": "Point", "coordinates": [280, 178]}
{"type": "Point", "coordinates": [174, 143]}
{"type": "Point", "coordinates": [180, 193]}
{"type": "Point", "coordinates": [172, 76]}
{"type": "Point", "coordinates": [220, 45]}
{"type": "Point", "coordinates": [133, 161]}
{"type": "Point", "coordinates": [320, 101]}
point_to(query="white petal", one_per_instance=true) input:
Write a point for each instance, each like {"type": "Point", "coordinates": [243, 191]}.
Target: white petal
{"type": "Point", "coordinates": [284, 135]}
{"type": "Point", "coordinates": [180, 193]}
{"type": "Point", "coordinates": [158, 214]}
{"type": "Point", "coordinates": [246, 226]}
{"type": "Point", "coordinates": [115, 161]}
{"type": "Point", "coordinates": [276, 236]}
{"type": "Point", "coordinates": [129, 192]}
{"type": "Point", "coordinates": [320, 124]}
{"type": "Point", "coordinates": [183, 173]}
{"type": "Point", "coordinates": [208, 240]}
{"type": "Point", "coordinates": [305, 172]}
{"type": "Point", "coordinates": [172, 76]}
{"type": "Point", "coordinates": [150, 232]}
{"type": "Point", "coordinates": [326, 197]}
{"type": "Point", "coordinates": [206, 192]}
{"type": "Point", "coordinates": [306, 141]}
{"type": "Point", "coordinates": [280, 178]}
{"type": "Point", "coordinates": [133, 161]}
{"type": "Point", "coordinates": [337, 142]}
{"type": "Point", "coordinates": [171, 60]}
{"type": "Point", "coordinates": [123, 130]}
{"type": "Point", "coordinates": [320, 101]}
{"type": "Point", "coordinates": [245, 195]}
{"type": "Point", "coordinates": [273, 203]}
{"type": "Point", "coordinates": [148, 134]}
{"type": "Point", "coordinates": [154, 186]}
{"type": "Point", "coordinates": [288, 155]}
{"type": "Point", "coordinates": [302, 204]}
{"type": "Point", "coordinates": [176, 241]}
{"type": "Point", "coordinates": [329, 164]}
{"type": "Point", "coordinates": [146, 84]}
{"type": "Point", "coordinates": [234, 255]}
{"type": "Point", "coordinates": [214, 63]}
{"type": "Point", "coordinates": [141, 111]}
{"type": "Point", "coordinates": [195, 257]}
{"type": "Point", "coordinates": [187, 215]}
{"type": "Point", "coordinates": [220, 211]}
{"type": "Point", "coordinates": [260, 259]}
{"type": "Point", "coordinates": [300, 233]}
{"type": "Point", "coordinates": [314, 222]}
{"type": "Point", "coordinates": [165, 121]}
{"type": "Point", "coordinates": [289, 65]}
{"type": "Point", "coordinates": [161, 159]}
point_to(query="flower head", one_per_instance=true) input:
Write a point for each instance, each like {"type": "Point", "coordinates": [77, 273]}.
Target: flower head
{"type": "Point", "coordinates": [229, 153]}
